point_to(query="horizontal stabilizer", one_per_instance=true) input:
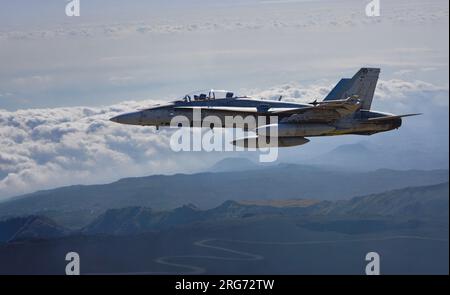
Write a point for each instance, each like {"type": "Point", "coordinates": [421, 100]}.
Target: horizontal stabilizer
{"type": "Point", "coordinates": [392, 117]}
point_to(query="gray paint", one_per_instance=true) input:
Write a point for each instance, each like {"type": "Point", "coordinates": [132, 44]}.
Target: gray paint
{"type": "Point", "coordinates": [345, 110]}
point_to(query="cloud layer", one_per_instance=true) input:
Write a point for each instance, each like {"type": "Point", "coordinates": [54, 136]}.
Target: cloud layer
{"type": "Point", "coordinates": [43, 148]}
{"type": "Point", "coordinates": [52, 147]}
{"type": "Point", "coordinates": [122, 50]}
{"type": "Point", "coordinates": [127, 50]}
{"type": "Point", "coordinates": [221, 17]}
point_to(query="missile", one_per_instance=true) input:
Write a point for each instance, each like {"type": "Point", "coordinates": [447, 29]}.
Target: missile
{"type": "Point", "coordinates": [269, 142]}
{"type": "Point", "coordinates": [294, 130]}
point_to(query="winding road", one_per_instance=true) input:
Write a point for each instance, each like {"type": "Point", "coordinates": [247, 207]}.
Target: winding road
{"type": "Point", "coordinates": [191, 269]}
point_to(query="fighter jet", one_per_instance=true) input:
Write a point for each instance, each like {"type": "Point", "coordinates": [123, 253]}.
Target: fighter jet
{"type": "Point", "coordinates": [345, 110]}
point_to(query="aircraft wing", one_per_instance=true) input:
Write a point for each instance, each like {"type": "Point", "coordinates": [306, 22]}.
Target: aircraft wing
{"type": "Point", "coordinates": [221, 109]}
{"type": "Point", "coordinates": [232, 109]}
{"type": "Point", "coordinates": [323, 111]}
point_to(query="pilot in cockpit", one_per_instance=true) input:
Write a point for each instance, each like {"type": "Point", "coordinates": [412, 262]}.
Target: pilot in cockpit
{"type": "Point", "coordinates": [211, 96]}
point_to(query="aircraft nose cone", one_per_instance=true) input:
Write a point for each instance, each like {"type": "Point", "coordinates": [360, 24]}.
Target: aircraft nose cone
{"type": "Point", "coordinates": [130, 118]}
{"type": "Point", "coordinates": [114, 119]}
{"type": "Point", "coordinates": [119, 119]}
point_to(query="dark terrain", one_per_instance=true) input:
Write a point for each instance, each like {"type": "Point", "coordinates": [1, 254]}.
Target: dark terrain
{"type": "Point", "coordinates": [76, 206]}
{"type": "Point", "coordinates": [407, 227]}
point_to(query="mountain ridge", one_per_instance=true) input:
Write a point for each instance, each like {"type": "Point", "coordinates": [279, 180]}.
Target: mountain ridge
{"type": "Point", "coordinates": [376, 211]}
{"type": "Point", "coordinates": [208, 190]}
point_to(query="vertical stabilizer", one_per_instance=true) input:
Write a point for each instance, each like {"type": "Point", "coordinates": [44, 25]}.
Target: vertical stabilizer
{"type": "Point", "coordinates": [362, 84]}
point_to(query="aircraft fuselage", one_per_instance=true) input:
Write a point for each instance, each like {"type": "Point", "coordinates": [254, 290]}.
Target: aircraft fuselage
{"type": "Point", "coordinates": [345, 110]}
{"type": "Point", "coordinates": [355, 123]}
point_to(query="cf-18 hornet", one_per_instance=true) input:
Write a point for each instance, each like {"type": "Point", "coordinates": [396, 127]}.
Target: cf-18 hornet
{"type": "Point", "coordinates": [345, 110]}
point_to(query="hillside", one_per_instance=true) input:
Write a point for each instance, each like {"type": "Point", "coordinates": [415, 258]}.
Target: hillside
{"type": "Point", "coordinates": [31, 227]}
{"type": "Point", "coordinates": [429, 202]}
{"type": "Point", "coordinates": [246, 237]}
{"type": "Point", "coordinates": [366, 156]}
{"type": "Point", "coordinates": [389, 210]}
{"type": "Point", "coordinates": [208, 190]}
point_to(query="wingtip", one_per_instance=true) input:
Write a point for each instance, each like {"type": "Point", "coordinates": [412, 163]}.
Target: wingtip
{"type": "Point", "coordinates": [411, 115]}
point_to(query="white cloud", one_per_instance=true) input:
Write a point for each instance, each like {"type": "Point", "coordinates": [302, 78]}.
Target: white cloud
{"type": "Point", "coordinates": [142, 48]}
{"type": "Point", "coordinates": [412, 92]}
{"type": "Point", "coordinates": [302, 15]}
{"type": "Point", "coordinates": [293, 92]}
{"type": "Point", "coordinates": [43, 148]}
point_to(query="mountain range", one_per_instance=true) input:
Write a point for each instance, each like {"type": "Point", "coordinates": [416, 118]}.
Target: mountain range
{"type": "Point", "coordinates": [256, 236]}
{"type": "Point", "coordinates": [366, 156]}
{"type": "Point", "coordinates": [76, 206]}
{"type": "Point", "coordinates": [30, 227]}
{"type": "Point", "coordinates": [414, 203]}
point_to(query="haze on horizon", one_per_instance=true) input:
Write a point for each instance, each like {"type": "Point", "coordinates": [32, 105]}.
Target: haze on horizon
{"type": "Point", "coordinates": [62, 78]}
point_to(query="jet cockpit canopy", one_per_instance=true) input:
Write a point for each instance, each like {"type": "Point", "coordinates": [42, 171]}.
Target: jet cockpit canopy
{"type": "Point", "coordinates": [210, 94]}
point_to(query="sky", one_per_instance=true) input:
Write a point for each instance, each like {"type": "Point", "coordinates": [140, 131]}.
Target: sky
{"type": "Point", "coordinates": [62, 77]}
